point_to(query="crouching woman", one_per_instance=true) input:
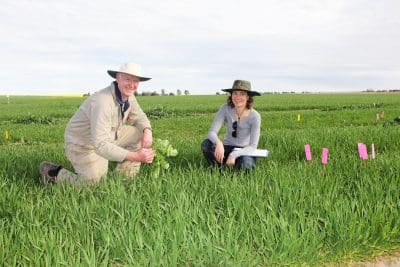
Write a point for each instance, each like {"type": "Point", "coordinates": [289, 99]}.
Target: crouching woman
{"type": "Point", "coordinates": [242, 124]}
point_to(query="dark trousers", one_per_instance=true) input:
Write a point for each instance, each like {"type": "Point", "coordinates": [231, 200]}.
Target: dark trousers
{"type": "Point", "coordinates": [242, 162]}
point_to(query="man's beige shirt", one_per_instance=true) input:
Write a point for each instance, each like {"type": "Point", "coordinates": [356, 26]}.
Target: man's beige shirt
{"type": "Point", "coordinates": [96, 123]}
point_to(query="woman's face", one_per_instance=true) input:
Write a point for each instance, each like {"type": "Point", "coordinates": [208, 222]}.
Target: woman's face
{"type": "Point", "coordinates": [239, 98]}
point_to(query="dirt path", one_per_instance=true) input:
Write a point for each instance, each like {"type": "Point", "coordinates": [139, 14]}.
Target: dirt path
{"type": "Point", "coordinates": [393, 260]}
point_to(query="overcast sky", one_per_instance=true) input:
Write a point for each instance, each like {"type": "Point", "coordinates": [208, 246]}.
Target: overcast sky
{"type": "Point", "coordinates": [67, 46]}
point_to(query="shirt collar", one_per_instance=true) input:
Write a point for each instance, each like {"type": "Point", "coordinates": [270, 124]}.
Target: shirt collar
{"type": "Point", "coordinates": [124, 105]}
{"type": "Point", "coordinates": [118, 95]}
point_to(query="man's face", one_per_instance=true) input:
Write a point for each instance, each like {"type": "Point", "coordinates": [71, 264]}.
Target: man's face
{"type": "Point", "coordinates": [127, 84]}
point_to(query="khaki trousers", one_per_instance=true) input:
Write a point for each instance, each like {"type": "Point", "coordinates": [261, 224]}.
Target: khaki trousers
{"type": "Point", "coordinates": [90, 167]}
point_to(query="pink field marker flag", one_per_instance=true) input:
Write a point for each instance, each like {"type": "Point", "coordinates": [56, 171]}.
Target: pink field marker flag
{"type": "Point", "coordinates": [307, 150]}
{"type": "Point", "coordinates": [359, 145]}
{"type": "Point", "coordinates": [324, 157]}
{"type": "Point", "coordinates": [373, 151]}
{"type": "Point", "coordinates": [362, 151]}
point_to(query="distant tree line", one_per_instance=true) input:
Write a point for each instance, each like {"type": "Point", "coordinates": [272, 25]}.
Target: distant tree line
{"type": "Point", "coordinates": [186, 92]}
{"type": "Point", "coordinates": [155, 93]}
{"type": "Point", "coordinates": [382, 91]}
{"type": "Point", "coordinates": [163, 93]}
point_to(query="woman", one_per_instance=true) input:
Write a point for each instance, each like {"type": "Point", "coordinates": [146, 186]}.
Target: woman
{"type": "Point", "coordinates": [242, 129]}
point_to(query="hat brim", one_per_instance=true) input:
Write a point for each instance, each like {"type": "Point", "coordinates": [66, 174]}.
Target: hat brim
{"type": "Point", "coordinates": [113, 74]}
{"type": "Point", "coordinates": [251, 93]}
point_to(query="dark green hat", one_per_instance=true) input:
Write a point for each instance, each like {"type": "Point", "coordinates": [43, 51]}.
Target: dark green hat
{"type": "Point", "coordinates": [241, 85]}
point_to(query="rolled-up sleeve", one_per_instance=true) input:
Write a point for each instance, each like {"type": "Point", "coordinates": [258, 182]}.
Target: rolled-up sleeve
{"type": "Point", "coordinates": [136, 116]}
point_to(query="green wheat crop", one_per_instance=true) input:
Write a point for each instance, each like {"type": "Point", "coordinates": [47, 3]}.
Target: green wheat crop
{"type": "Point", "coordinates": [287, 211]}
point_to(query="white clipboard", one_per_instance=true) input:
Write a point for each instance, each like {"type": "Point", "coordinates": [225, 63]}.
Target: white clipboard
{"type": "Point", "coordinates": [255, 153]}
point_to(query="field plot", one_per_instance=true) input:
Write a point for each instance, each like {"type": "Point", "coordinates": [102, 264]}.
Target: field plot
{"type": "Point", "coordinates": [288, 211]}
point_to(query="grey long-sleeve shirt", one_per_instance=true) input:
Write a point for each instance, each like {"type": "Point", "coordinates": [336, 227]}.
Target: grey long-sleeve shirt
{"type": "Point", "coordinates": [248, 130]}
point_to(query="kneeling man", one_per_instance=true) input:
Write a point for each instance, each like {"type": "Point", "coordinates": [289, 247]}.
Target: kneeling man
{"type": "Point", "coordinates": [108, 126]}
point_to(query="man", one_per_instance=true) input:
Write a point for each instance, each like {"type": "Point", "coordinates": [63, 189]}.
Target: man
{"type": "Point", "coordinates": [108, 126]}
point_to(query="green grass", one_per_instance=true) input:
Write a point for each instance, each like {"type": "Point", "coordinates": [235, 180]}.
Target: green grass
{"type": "Point", "coordinates": [286, 212]}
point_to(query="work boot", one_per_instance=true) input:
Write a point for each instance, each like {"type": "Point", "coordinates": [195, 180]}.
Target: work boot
{"type": "Point", "coordinates": [48, 172]}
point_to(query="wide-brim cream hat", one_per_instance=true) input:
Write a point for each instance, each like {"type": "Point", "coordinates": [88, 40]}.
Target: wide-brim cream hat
{"type": "Point", "coordinates": [131, 69]}
{"type": "Point", "coordinates": [242, 85]}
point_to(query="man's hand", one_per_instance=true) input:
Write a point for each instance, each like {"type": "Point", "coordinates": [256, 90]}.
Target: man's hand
{"type": "Point", "coordinates": [144, 155]}
{"type": "Point", "coordinates": [147, 138]}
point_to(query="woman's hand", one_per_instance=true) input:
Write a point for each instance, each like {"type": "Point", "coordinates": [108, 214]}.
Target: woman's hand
{"type": "Point", "coordinates": [219, 152]}
{"type": "Point", "coordinates": [230, 161]}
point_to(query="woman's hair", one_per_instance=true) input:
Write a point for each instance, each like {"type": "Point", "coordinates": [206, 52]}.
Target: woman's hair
{"type": "Point", "coordinates": [249, 102]}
